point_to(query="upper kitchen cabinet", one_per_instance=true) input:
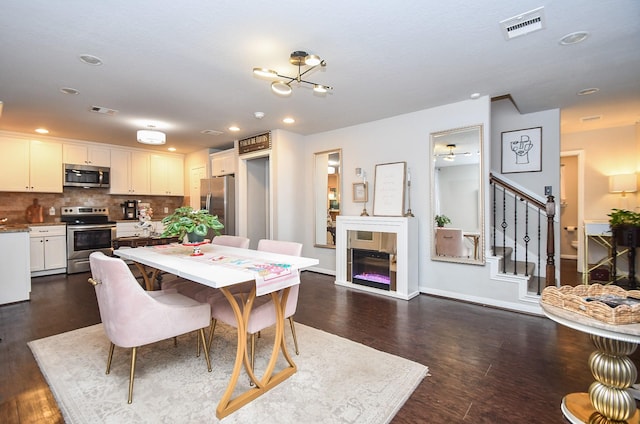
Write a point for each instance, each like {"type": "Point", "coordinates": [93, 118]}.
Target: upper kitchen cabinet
{"type": "Point", "coordinates": [129, 172]}
{"type": "Point", "coordinates": [167, 175]}
{"type": "Point", "coordinates": [30, 165]}
{"type": "Point", "coordinates": [223, 163]}
{"type": "Point", "coordinates": [79, 154]}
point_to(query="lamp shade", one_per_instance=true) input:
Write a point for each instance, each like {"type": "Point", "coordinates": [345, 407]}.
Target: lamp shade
{"type": "Point", "coordinates": [151, 137]}
{"type": "Point", "coordinates": [623, 183]}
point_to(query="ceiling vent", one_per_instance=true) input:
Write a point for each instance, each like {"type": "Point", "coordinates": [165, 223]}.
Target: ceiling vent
{"type": "Point", "coordinates": [103, 110]}
{"type": "Point", "coordinates": [591, 118]}
{"type": "Point", "coordinates": [523, 24]}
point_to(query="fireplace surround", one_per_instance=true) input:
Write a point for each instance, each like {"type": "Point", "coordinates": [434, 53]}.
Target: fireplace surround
{"type": "Point", "coordinates": [387, 245]}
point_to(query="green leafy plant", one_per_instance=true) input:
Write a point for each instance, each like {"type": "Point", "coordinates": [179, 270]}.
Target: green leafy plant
{"type": "Point", "coordinates": [620, 217]}
{"type": "Point", "coordinates": [441, 220]}
{"type": "Point", "coordinates": [186, 220]}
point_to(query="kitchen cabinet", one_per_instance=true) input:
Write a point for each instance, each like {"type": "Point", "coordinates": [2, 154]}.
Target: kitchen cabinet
{"type": "Point", "coordinates": [30, 165]}
{"type": "Point", "coordinates": [48, 249]}
{"type": "Point", "coordinates": [79, 154]}
{"type": "Point", "coordinates": [15, 284]}
{"type": "Point", "coordinates": [223, 163]}
{"type": "Point", "coordinates": [167, 175]}
{"type": "Point", "coordinates": [129, 172]}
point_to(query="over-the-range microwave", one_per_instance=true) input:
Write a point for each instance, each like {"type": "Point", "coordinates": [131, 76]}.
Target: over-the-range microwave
{"type": "Point", "coordinates": [86, 176]}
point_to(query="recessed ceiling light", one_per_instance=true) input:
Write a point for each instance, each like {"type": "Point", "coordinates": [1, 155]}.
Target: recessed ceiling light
{"type": "Point", "coordinates": [234, 128]}
{"type": "Point", "coordinates": [574, 38]}
{"type": "Point", "coordinates": [172, 149]}
{"type": "Point", "coordinates": [42, 131]}
{"type": "Point", "coordinates": [69, 90]}
{"type": "Point", "coordinates": [475, 96]}
{"type": "Point", "coordinates": [288, 120]}
{"type": "Point", "coordinates": [588, 91]}
{"type": "Point", "coordinates": [90, 59]}
{"type": "Point", "coordinates": [258, 115]}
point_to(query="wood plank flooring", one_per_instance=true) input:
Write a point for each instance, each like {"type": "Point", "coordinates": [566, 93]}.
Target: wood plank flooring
{"type": "Point", "coordinates": [486, 365]}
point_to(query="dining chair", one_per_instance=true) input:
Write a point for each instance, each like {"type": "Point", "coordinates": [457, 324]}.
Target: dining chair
{"type": "Point", "coordinates": [231, 241]}
{"type": "Point", "coordinates": [263, 314]}
{"type": "Point", "coordinates": [132, 317]}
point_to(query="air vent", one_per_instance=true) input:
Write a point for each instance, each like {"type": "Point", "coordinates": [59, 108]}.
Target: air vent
{"type": "Point", "coordinates": [211, 132]}
{"type": "Point", "coordinates": [523, 24]}
{"type": "Point", "coordinates": [103, 110]}
{"type": "Point", "coordinates": [590, 118]}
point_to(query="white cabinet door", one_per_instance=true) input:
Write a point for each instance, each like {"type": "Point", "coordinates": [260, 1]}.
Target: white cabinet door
{"type": "Point", "coordinates": [79, 154]}
{"type": "Point", "coordinates": [14, 262]}
{"type": "Point", "coordinates": [14, 165]}
{"type": "Point", "coordinates": [55, 252]}
{"type": "Point", "coordinates": [167, 175]}
{"type": "Point", "coordinates": [46, 172]}
{"type": "Point", "coordinates": [223, 163]}
{"type": "Point", "coordinates": [36, 253]}
{"type": "Point", "coordinates": [129, 172]}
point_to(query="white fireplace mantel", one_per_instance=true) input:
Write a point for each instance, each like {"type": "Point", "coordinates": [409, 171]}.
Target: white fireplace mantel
{"type": "Point", "coordinates": [407, 257]}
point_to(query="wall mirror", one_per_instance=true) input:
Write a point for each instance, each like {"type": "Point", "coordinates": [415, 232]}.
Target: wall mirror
{"type": "Point", "coordinates": [456, 196]}
{"type": "Point", "coordinates": [327, 185]}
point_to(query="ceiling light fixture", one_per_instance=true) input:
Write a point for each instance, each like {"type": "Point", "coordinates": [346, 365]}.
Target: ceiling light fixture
{"type": "Point", "coordinates": [451, 156]}
{"type": "Point", "coordinates": [42, 131]}
{"type": "Point", "coordinates": [574, 38]}
{"type": "Point", "coordinates": [90, 59]}
{"type": "Point", "coordinates": [151, 136]}
{"type": "Point", "coordinates": [234, 128]}
{"type": "Point", "coordinates": [299, 59]}
{"type": "Point", "coordinates": [288, 120]}
{"type": "Point", "coordinates": [587, 91]}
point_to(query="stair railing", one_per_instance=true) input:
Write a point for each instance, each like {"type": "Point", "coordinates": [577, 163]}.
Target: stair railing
{"type": "Point", "coordinates": [511, 227]}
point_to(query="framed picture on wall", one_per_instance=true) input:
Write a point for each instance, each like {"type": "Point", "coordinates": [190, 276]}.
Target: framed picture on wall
{"type": "Point", "coordinates": [389, 188]}
{"type": "Point", "coordinates": [522, 150]}
{"type": "Point", "coordinates": [360, 192]}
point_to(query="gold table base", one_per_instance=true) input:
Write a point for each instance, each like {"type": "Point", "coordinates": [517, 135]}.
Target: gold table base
{"type": "Point", "coordinates": [577, 409]}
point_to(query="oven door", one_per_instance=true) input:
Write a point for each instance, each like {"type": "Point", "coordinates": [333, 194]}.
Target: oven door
{"type": "Point", "coordinates": [82, 240]}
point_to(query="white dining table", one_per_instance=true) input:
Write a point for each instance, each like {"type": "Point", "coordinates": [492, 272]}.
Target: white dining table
{"type": "Point", "coordinates": [222, 267]}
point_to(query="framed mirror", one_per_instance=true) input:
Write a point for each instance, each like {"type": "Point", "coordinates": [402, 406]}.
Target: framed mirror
{"type": "Point", "coordinates": [327, 186]}
{"type": "Point", "coordinates": [457, 201]}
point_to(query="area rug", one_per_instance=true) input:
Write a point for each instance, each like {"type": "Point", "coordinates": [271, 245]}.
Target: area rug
{"type": "Point", "coordinates": [338, 381]}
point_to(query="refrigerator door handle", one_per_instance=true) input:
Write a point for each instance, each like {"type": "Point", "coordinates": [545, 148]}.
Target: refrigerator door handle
{"type": "Point", "coordinates": [208, 202]}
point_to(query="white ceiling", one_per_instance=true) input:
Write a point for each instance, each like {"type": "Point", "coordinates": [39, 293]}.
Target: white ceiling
{"type": "Point", "coordinates": [188, 63]}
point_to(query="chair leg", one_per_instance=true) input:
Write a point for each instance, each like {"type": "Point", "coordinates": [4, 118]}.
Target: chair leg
{"type": "Point", "coordinates": [253, 355]}
{"type": "Point", "coordinates": [132, 373]}
{"type": "Point", "coordinates": [109, 358]}
{"type": "Point", "coordinates": [212, 328]}
{"type": "Point", "coordinates": [293, 331]}
{"type": "Point", "coordinates": [206, 352]}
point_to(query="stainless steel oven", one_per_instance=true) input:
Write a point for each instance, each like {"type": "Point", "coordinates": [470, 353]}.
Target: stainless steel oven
{"type": "Point", "coordinates": [88, 230]}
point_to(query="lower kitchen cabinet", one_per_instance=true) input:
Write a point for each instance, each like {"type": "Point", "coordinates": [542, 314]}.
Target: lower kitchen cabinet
{"type": "Point", "coordinates": [48, 249]}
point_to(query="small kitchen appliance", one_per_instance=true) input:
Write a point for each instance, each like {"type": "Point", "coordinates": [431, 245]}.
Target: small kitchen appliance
{"type": "Point", "coordinates": [130, 209]}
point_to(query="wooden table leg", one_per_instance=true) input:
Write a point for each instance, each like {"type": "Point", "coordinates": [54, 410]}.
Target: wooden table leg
{"type": "Point", "coordinates": [227, 405]}
{"type": "Point", "coordinates": [148, 279]}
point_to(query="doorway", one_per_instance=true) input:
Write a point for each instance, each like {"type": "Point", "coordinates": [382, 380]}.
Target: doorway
{"type": "Point", "coordinates": [572, 207]}
{"type": "Point", "coordinates": [258, 200]}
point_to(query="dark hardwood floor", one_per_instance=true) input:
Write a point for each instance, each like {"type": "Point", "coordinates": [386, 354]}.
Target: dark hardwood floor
{"type": "Point", "coordinates": [486, 365]}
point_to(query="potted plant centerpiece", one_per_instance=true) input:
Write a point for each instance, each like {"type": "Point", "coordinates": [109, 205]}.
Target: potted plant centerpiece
{"type": "Point", "coordinates": [441, 220]}
{"type": "Point", "coordinates": [625, 227]}
{"type": "Point", "coordinates": [192, 223]}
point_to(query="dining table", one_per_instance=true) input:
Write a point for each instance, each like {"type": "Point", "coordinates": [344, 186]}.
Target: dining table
{"type": "Point", "coordinates": [222, 267]}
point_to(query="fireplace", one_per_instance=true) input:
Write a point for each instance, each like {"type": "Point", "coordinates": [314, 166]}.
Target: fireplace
{"type": "Point", "coordinates": [372, 268]}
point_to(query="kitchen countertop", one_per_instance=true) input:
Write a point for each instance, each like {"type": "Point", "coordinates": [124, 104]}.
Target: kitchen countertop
{"type": "Point", "coordinates": [24, 227]}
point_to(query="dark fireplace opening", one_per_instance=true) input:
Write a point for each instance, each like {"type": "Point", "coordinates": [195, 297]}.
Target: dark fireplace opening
{"type": "Point", "coordinates": [371, 268]}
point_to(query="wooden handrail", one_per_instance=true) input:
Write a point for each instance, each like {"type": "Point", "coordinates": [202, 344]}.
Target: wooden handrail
{"type": "Point", "coordinates": [495, 180]}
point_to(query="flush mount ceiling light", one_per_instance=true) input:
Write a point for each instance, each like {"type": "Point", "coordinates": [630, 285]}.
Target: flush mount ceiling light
{"type": "Point", "coordinates": [451, 156]}
{"type": "Point", "coordinates": [587, 91]}
{"type": "Point", "coordinates": [574, 38]}
{"type": "Point", "coordinates": [151, 136]}
{"type": "Point", "coordinates": [299, 59]}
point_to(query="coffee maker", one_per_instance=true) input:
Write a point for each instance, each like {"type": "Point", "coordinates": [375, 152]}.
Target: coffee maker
{"type": "Point", "coordinates": [130, 209]}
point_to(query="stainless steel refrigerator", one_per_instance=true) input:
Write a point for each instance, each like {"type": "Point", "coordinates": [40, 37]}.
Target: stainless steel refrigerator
{"type": "Point", "coordinates": [217, 195]}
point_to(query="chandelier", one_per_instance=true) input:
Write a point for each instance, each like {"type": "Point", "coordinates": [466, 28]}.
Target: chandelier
{"type": "Point", "coordinates": [451, 156]}
{"type": "Point", "coordinates": [299, 59]}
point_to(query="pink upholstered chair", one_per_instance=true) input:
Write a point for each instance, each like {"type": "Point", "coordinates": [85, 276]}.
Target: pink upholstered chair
{"type": "Point", "coordinates": [133, 317]}
{"type": "Point", "coordinates": [231, 241]}
{"type": "Point", "coordinates": [450, 242]}
{"type": "Point", "coordinates": [263, 314]}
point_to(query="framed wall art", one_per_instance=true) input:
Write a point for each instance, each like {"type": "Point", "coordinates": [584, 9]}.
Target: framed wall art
{"type": "Point", "coordinates": [389, 188]}
{"type": "Point", "coordinates": [522, 150]}
{"type": "Point", "coordinates": [360, 192]}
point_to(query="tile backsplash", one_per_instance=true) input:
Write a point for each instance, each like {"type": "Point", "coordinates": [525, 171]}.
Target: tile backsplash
{"type": "Point", "coordinates": [13, 205]}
